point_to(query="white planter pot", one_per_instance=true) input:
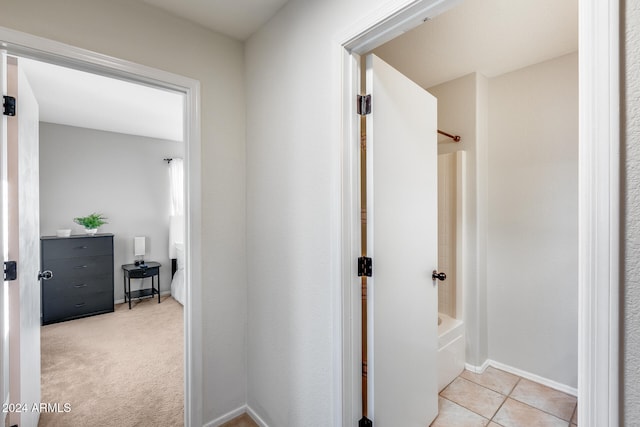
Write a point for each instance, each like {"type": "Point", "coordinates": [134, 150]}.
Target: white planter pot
{"type": "Point", "coordinates": [91, 230]}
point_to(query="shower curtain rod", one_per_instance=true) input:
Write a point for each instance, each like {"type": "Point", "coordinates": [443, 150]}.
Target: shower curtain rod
{"type": "Point", "coordinates": [456, 138]}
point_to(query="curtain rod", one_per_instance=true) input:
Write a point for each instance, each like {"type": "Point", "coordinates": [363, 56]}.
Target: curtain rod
{"type": "Point", "coordinates": [456, 138]}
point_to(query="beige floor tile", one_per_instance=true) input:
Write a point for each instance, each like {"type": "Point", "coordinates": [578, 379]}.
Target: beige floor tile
{"type": "Point", "coordinates": [547, 399]}
{"type": "Point", "coordinates": [517, 414]}
{"type": "Point", "coordinates": [474, 397]}
{"type": "Point", "coordinates": [492, 424]}
{"type": "Point", "coordinates": [452, 415]}
{"type": "Point", "coordinates": [574, 419]}
{"type": "Point", "coordinates": [495, 379]}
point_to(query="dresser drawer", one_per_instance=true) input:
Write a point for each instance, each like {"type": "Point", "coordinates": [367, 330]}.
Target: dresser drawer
{"type": "Point", "coordinates": [76, 247]}
{"type": "Point", "coordinates": [59, 309]}
{"type": "Point", "coordinates": [76, 268]}
{"type": "Point", "coordinates": [74, 287]}
{"type": "Point", "coordinates": [144, 272]}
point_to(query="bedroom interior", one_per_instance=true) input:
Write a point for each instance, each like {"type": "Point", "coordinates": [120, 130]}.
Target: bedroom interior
{"type": "Point", "coordinates": [135, 181]}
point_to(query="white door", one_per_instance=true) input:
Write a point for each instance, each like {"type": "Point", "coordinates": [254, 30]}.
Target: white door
{"type": "Point", "coordinates": [4, 298]}
{"type": "Point", "coordinates": [23, 212]}
{"type": "Point", "coordinates": [403, 214]}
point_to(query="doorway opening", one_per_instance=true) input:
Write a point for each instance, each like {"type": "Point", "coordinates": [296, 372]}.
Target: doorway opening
{"type": "Point", "coordinates": [596, 201]}
{"type": "Point", "coordinates": [116, 169]}
{"type": "Point", "coordinates": [26, 46]}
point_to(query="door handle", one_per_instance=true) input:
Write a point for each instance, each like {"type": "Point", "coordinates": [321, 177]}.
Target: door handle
{"type": "Point", "coordinates": [440, 276]}
{"type": "Point", "coordinates": [45, 275]}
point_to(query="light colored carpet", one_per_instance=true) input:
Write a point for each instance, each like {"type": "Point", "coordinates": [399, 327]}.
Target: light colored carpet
{"type": "Point", "coordinates": [117, 369]}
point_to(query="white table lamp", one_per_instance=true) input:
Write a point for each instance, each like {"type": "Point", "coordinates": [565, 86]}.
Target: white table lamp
{"type": "Point", "coordinates": [139, 249]}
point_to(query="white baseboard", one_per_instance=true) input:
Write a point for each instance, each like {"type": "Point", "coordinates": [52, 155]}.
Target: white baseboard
{"type": "Point", "coordinates": [535, 378]}
{"type": "Point", "coordinates": [524, 374]}
{"type": "Point", "coordinates": [162, 293]}
{"type": "Point", "coordinates": [227, 417]}
{"type": "Point", "coordinates": [236, 413]}
{"type": "Point", "coordinates": [477, 369]}
{"type": "Point", "coordinates": [256, 417]}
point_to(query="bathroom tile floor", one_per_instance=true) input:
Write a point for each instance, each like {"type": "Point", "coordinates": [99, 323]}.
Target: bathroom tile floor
{"type": "Point", "coordinates": [497, 398]}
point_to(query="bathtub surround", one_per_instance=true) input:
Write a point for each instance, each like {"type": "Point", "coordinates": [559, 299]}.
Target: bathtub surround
{"type": "Point", "coordinates": [451, 244]}
{"type": "Point", "coordinates": [449, 297]}
{"type": "Point", "coordinates": [463, 105]}
{"type": "Point", "coordinates": [451, 347]}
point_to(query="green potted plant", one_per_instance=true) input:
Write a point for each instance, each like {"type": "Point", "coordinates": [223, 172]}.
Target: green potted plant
{"type": "Point", "coordinates": [91, 222]}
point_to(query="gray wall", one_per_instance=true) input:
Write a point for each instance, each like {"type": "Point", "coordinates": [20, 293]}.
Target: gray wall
{"type": "Point", "coordinates": [531, 207]}
{"type": "Point", "coordinates": [631, 223]}
{"type": "Point", "coordinates": [532, 262]}
{"type": "Point", "coordinates": [121, 176]}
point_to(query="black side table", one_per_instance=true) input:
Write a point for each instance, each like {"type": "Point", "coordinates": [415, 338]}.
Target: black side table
{"type": "Point", "coordinates": [132, 271]}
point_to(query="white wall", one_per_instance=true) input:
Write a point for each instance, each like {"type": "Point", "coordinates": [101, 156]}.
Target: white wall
{"type": "Point", "coordinates": [631, 224]}
{"type": "Point", "coordinates": [293, 192]}
{"type": "Point", "coordinates": [140, 33]}
{"type": "Point", "coordinates": [532, 262]}
{"type": "Point", "coordinates": [120, 176]}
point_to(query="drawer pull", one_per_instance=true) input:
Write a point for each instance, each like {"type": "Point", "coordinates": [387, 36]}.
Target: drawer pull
{"type": "Point", "coordinates": [82, 247]}
{"type": "Point", "coordinates": [81, 285]}
{"type": "Point", "coordinates": [80, 266]}
{"type": "Point", "coordinates": [82, 304]}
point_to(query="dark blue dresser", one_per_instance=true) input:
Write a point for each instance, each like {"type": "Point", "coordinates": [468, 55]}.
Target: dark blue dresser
{"type": "Point", "coordinates": [82, 282]}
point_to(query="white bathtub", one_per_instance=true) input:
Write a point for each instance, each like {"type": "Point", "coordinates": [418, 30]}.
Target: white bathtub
{"type": "Point", "coordinates": [450, 349]}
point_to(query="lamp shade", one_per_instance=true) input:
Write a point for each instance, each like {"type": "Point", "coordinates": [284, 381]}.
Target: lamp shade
{"type": "Point", "coordinates": [139, 246]}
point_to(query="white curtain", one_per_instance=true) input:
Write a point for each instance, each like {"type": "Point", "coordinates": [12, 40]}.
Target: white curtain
{"type": "Point", "coordinates": [176, 193]}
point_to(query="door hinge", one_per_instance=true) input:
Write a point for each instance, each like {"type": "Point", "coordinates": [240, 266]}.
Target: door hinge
{"type": "Point", "coordinates": [364, 105]}
{"type": "Point", "coordinates": [10, 271]}
{"type": "Point", "coordinates": [9, 105]}
{"type": "Point", "coordinates": [365, 266]}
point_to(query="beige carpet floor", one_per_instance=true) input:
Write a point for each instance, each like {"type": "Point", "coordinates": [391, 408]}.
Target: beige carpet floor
{"type": "Point", "coordinates": [117, 369]}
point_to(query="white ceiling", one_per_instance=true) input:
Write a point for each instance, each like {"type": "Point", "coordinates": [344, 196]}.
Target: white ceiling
{"type": "Point", "coordinates": [81, 99]}
{"type": "Point", "coordinates": [76, 98]}
{"type": "Point", "coordinates": [488, 36]}
{"type": "Point", "coordinates": [491, 37]}
{"type": "Point", "coordinates": [235, 18]}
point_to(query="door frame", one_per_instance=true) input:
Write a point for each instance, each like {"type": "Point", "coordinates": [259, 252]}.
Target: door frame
{"type": "Point", "coordinates": [599, 198]}
{"type": "Point", "coordinates": [30, 46]}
